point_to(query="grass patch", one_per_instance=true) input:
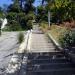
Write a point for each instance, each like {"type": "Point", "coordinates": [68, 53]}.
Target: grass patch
{"type": "Point", "coordinates": [56, 31]}
{"type": "Point", "coordinates": [44, 26]}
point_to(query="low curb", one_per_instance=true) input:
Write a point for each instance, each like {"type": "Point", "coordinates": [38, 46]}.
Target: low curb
{"type": "Point", "coordinates": [54, 42]}
{"type": "Point", "coordinates": [25, 44]}
{"type": "Point", "coordinates": [67, 53]}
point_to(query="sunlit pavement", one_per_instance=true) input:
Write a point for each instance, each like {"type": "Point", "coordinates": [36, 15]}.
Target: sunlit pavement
{"type": "Point", "coordinates": [39, 41]}
{"type": "Point", "coordinates": [8, 46]}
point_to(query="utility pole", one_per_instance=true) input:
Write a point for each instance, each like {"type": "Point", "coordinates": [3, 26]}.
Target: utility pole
{"type": "Point", "coordinates": [0, 27]}
{"type": "Point", "coordinates": [49, 18]}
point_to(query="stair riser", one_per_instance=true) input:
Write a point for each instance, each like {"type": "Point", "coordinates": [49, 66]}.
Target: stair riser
{"type": "Point", "coordinates": [45, 57]}
{"type": "Point", "coordinates": [52, 73]}
{"type": "Point", "coordinates": [48, 67]}
{"type": "Point", "coordinates": [47, 61]}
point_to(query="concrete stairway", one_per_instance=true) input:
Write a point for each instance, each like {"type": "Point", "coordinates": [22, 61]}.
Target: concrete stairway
{"type": "Point", "coordinates": [44, 59]}
{"type": "Point", "coordinates": [51, 63]}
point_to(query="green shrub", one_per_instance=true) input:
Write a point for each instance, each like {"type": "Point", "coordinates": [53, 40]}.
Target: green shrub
{"type": "Point", "coordinates": [67, 39]}
{"type": "Point", "coordinates": [29, 24]}
{"type": "Point", "coordinates": [20, 37]}
{"type": "Point", "coordinates": [14, 26]}
{"type": "Point", "coordinates": [11, 16]}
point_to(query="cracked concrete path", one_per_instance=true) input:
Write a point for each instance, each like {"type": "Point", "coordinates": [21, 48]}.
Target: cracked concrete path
{"type": "Point", "coordinates": [8, 46]}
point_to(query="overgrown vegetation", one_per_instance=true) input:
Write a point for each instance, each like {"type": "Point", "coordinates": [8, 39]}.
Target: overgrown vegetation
{"type": "Point", "coordinates": [44, 26]}
{"type": "Point", "coordinates": [56, 31]}
{"type": "Point", "coordinates": [64, 36]}
{"type": "Point", "coordinates": [67, 39]}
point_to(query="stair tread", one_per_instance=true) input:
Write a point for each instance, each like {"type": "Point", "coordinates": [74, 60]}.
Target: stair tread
{"type": "Point", "coordinates": [49, 59]}
{"type": "Point", "coordinates": [50, 64]}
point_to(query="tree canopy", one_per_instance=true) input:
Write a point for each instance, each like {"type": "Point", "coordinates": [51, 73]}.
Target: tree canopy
{"type": "Point", "coordinates": [61, 10]}
{"type": "Point", "coordinates": [20, 14]}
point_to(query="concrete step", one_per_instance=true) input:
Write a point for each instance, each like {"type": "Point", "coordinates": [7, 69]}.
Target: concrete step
{"type": "Point", "coordinates": [53, 63]}
{"type": "Point", "coordinates": [45, 55]}
{"type": "Point", "coordinates": [39, 61]}
{"type": "Point", "coordinates": [66, 71]}
{"type": "Point", "coordinates": [49, 66]}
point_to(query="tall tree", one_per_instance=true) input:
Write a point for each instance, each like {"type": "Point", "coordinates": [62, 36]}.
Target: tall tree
{"type": "Point", "coordinates": [61, 9]}
{"type": "Point", "coordinates": [17, 17]}
{"type": "Point", "coordinates": [28, 5]}
{"type": "Point", "coordinates": [15, 7]}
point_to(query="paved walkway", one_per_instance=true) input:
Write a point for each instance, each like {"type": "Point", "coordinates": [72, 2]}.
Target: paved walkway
{"type": "Point", "coordinates": [8, 46]}
{"type": "Point", "coordinates": [39, 42]}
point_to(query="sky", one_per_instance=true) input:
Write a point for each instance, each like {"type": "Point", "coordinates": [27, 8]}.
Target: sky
{"type": "Point", "coordinates": [37, 3]}
{"type": "Point", "coordinates": [7, 2]}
